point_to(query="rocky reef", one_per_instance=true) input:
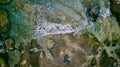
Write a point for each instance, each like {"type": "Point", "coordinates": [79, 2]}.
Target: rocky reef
{"type": "Point", "coordinates": [59, 33]}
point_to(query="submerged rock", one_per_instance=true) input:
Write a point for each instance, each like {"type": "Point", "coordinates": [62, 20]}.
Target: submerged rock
{"type": "Point", "coordinates": [4, 22]}
{"type": "Point", "coordinates": [4, 1]}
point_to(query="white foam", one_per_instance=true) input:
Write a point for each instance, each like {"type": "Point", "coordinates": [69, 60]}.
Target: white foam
{"type": "Point", "coordinates": [104, 12]}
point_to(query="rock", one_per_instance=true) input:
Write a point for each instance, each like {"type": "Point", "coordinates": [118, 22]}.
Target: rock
{"type": "Point", "coordinates": [106, 61]}
{"type": "Point", "coordinates": [107, 42]}
{"type": "Point", "coordinates": [2, 63]}
{"type": "Point", "coordinates": [115, 9]}
{"type": "Point", "coordinates": [14, 58]}
{"type": "Point", "coordinates": [19, 4]}
{"type": "Point", "coordinates": [93, 9]}
{"type": "Point", "coordinates": [34, 44]}
{"type": "Point", "coordinates": [24, 59]}
{"type": "Point", "coordinates": [10, 43]}
{"type": "Point", "coordinates": [50, 43]}
{"type": "Point", "coordinates": [93, 62]}
{"type": "Point", "coordinates": [4, 1]}
{"type": "Point", "coordinates": [4, 57]}
{"type": "Point", "coordinates": [67, 59]}
{"type": "Point", "coordinates": [117, 51]}
{"type": "Point", "coordinates": [1, 45]}
{"type": "Point", "coordinates": [34, 60]}
{"type": "Point", "coordinates": [67, 49]}
{"type": "Point", "coordinates": [4, 22]}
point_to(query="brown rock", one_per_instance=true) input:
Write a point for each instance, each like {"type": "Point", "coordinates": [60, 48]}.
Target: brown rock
{"type": "Point", "coordinates": [10, 43]}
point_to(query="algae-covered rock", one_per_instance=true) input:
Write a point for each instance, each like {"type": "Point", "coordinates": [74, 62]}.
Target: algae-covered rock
{"type": "Point", "coordinates": [4, 1]}
{"type": "Point", "coordinates": [93, 42]}
{"type": "Point", "coordinates": [2, 63]}
{"type": "Point", "coordinates": [14, 58]}
{"type": "Point", "coordinates": [105, 60]}
{"type": "Point", "coordinates": [4, 22]}
{"type": "Point", "coordinates": [10, 43]}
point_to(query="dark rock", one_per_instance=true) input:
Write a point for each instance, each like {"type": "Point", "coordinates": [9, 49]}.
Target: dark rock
{"type": "Point", "coordinates": [34, 61]}
{"type": "Point", "coordinates": [21, 47]}
{"type": "Point", "coordinates": [113, 44]}
{"type": "Point", "coordinates": [117, 51]}
{"type": "Point", "coordinates": [112, 62]}
{"type": "Point", "coordinates": [107, 42]}
{"type": "Point", "coordinates": [93, 12]}
{"type": "Point", "coordinates": [5, 58]}
{"type": "Point", "coordinates": [66, 59]}
{"type": "Point", "coordinates": [1, 45]}
{"type": "Point", "coordinates": [93, 62]}
{"type": "Point", "coordinates": [92, 9]}
{"type": "Point", "coordinates": [106, 61]}
{"type": "Point", "coordinates": [115, 9]}
{"type": "Point", "coordinates": [34, 44]}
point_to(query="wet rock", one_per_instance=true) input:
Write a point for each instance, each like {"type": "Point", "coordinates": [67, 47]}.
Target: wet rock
{"type": "Point", "coordinates": [4, 22]}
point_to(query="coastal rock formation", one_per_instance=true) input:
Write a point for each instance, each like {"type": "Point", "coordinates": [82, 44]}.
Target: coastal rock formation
{"type": "Point", "coordinates": [59, 33]}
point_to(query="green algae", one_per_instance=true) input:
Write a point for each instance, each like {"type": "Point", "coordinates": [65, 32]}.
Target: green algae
{"type": "Point", "coordinates": [2, 61]}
